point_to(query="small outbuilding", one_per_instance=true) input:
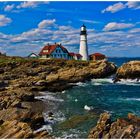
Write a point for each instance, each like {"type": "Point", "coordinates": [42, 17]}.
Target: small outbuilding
{"type": "Point", "coordinates": [97, 56]}
{"type": "Point", "coordinates": [33, 55]}
{"type": "Point", "coordinates": [75, 56]}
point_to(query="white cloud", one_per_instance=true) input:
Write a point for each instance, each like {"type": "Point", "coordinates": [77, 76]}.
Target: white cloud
{"type": "Point", "coordinates": [114, 8]}
{"type": "Point", "coordinates": [133, 4]}
{"type": "Point", "coordinates": [135, 30]}
{"type": "Point", "coordinates": [117, 26]}
{"type": "Point", "coordinates": [45, 23]}
{"type": "Point", "coordinates": [31, 4]}
{"type": "Point", "coordinates": [89, 21]}
{"type": "Point", "coordinates": [4, 20]}
{"type": "Point", "coordinates": [120, 6]}
{"type": "Point", "coordinates": [109, 42]}
{"type": "Point", "coordinates": [9, 7]}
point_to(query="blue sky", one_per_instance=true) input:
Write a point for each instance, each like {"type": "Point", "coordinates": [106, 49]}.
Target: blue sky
{"type": "Point", "coordinates": [113, 27]}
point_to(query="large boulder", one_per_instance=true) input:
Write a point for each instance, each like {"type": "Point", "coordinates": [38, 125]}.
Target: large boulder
{"type": "Point", "coordinates": [127, 128]}
{"type": "Point", "coordinates": [129, 70]}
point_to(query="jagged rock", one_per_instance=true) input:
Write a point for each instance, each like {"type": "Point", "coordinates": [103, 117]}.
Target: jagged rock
{"type": "Point", "coordinates": [127, 128]}
{"type": "Point", "coordinates": [129, 70]}
{"type": "Point", "coordinates": [24, 115]}
{"type": "Point", "coordinates": [15, 129]}
{"type": "Point", "coordinates": [19, 130]}
{"type": "Point", "coordinates": [27, 97]}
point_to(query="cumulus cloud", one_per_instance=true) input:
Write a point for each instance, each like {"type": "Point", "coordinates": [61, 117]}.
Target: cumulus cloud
{"type": "Point", "coordinates": [31, 4]}
{"type": "Point", "coordinates": [117, 26]}
{"type": "Point", "coordinates": [114, 8]}
{"type": "Point", "coordinates": [4, 20]}
{"type": "Point", "coordinates": [135, 30]}
{"type": "Point", "coordinates": [9, 7]}
{"type": "Point", "coordinates": [133, 4]}
{"type": "Point", "coordinates": [23, 5]}
{"type": "Point", "coordinates": [120, 6]}
{"type": "Point", "coordinates": [109, 42]}
{"type": "Point", "coordinates": [46, 23]}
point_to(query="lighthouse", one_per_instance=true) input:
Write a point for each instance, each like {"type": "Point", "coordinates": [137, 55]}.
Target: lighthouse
{"type": "Point", "coordinates": [83, 43]}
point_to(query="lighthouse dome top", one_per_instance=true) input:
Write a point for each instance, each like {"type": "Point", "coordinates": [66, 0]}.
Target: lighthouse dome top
{"type": "Point", "coordinates": [83, 28]}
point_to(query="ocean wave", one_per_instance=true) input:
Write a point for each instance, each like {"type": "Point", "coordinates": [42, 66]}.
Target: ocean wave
{"type": "Point", "coordinates": [70, 134]}
{"type": "Point", "coordinates": [57, 117]}
{"type": "Point", "coordinates": [79, 84]}
{"type": "Point", "coordinates": [102, 81]}
{"type": "Point", "coordinates": [131, 99]}
{"type": "Point", "coordinates": [133, 82]}
{"type": "Point", "coordinates": [49, 97]}
{"type": "Point", "coordinates": [48, 128]}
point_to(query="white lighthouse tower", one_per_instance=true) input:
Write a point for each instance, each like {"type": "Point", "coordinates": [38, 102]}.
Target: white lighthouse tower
{"type": "Point", "coordinates": [83, 43]}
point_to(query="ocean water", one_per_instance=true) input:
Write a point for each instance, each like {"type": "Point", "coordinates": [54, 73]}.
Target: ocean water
{"type": "Point", "coordinates": [99, 95]}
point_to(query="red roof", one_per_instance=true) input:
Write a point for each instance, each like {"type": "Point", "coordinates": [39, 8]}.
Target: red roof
{"type": "Point", "coordinates": [78, 55]}
{"type": "Point", "coordinates": [51, 48]}
{"type": "Point", "coordinates": [97, 54]}
{"type": "Point", "coordinates": [71, 54]}
{"type": "Point", "coordinates": [75, 54]}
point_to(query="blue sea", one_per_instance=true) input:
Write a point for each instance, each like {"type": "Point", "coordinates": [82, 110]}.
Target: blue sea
{"type": "Point", "coordinates": [96, 96]}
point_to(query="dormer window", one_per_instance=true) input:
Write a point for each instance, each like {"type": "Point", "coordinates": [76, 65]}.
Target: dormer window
{"type": "Point", "coordinates": [45, 50]}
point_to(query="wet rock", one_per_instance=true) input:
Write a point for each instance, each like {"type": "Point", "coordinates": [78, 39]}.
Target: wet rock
{"type": "Point", "coordinates": [23, 115]}
{"type": "Point", "coordinates": [1, 70]}
{"type": "Point", "coordinates": [129, 70]}
{"type": "Point", "coordinates": [76, 120]}
{"type": "Point", "coordinates": [15, 129]}
{"type": "Point", "coordinates": [42, 135]}
{"type": "Point", "coordinates": [122, 128]}
{"type": "Point", "coordinates": [27, 97]}
{"type": "Point", "coordinates": [19, 130]}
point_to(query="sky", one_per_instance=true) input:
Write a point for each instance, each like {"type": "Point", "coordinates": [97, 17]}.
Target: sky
{"type": "Point", "coordinates": [113, 27]}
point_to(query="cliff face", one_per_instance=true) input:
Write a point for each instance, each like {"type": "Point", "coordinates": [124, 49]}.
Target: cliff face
{"type": "Point", "coordinates": [130, 70]}
{"type": "Point", "coordinates": [123, 128]}
{"type": "Point", "coordinates": [20, 79]}
{"type": "Point", "coordinates": [51, 75]}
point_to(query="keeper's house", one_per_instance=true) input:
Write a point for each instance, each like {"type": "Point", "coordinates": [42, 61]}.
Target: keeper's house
{"type": "Point", "coordinates": [57, 51]}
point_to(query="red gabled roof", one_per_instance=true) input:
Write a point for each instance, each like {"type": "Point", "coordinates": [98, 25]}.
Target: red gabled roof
{"type": "Point", "coordinates": [51, 48]}
{"type": "Point", "coordinates": [75, 54]}
{"type": "Point", "coordinates": [97, 54]}
{"type": "Point", "coordinates": [78, 55]}
{"type": "Point", "coordinates": [71, 54]}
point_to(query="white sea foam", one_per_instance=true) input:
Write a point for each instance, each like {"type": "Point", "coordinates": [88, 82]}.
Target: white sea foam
{"type": "Point", "coordinates": [48, 128]}
{"type": "Point", "coordinates": [133, 82]}
{"type": "Point", "coordinates": [70, 134]}
{"type": "Point", "coordinates": [132, 99]}
{"type": "Point", "coordinates": [63, 91]}
{"type": "Point", "coordinates": [86, 107]}
{"type": "Point", "coordinates": [102, 81]}
{"type": "Point", "coordinates": [49, 97]}
{"type": "Point", "coordinates": [57, 117]}
{"type": "Point", "coordinates": [79, 84]}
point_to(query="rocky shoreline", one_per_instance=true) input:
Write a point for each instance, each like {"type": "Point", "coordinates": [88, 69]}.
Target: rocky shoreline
{"type": "Point", "coordinates": [21, 79]}
{"type": "Point", "coordinates": [122, 128]}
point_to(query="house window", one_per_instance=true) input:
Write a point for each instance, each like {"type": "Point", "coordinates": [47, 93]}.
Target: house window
{"type": "Point", "coordinates": [45, 50]}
